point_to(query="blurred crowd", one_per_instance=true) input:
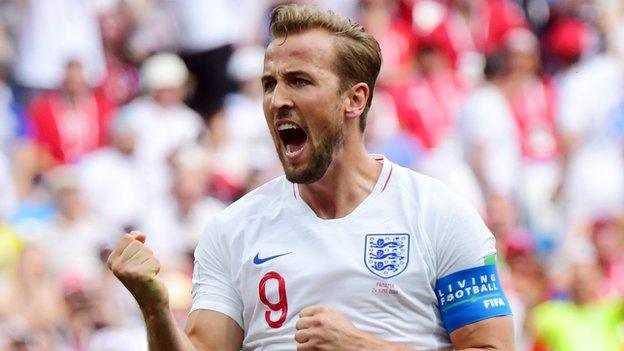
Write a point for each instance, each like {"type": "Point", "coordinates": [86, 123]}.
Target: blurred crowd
{"type": "Point", "coordinates": [146, 114]}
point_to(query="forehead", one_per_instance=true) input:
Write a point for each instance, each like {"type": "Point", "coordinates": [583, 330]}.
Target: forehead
{"type": "Point", "coordinates": [310, 50]}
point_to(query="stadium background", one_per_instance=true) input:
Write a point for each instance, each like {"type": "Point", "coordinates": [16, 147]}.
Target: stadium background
{"type": "Point", "coordinates": [518, 105]}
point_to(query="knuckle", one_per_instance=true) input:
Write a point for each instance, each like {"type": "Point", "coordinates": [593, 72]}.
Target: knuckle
{"type": "Point", "coordinates": [320, 321]}
{"type": "Point", "coordinates": [114, 266]}
{"type": "Point", "coordinates": [299, 337]}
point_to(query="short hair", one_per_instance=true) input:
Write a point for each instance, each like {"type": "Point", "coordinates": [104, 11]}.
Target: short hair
{"type": "Point", "coordinates": [358, 56]}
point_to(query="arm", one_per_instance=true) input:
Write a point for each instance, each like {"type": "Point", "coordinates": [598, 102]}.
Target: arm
{"type": "Point", "coordinates": [322, 327]}
{"type": "Point", "coordinates": [489, 334]}
{"type": "Point", "coordinates": [137, 268]}
{"type": "Point", "coordinates": [477, 164]}
{"type": "Point", "coordinates": [569, 144]}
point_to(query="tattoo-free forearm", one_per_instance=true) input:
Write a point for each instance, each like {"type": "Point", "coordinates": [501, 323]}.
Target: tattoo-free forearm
{"type": "Point", "coordinates": [163, 334]}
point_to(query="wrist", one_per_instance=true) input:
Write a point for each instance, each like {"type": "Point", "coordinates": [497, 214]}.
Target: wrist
{"type": "Point", "coordinates": [155, 310]}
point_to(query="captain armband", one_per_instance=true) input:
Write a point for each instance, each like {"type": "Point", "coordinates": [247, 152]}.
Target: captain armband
{"type": "Point", "coordinates": [469, 296]}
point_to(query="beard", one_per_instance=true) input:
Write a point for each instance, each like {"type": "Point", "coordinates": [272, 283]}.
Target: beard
{"type": "Point", "coordinates": [330, 141]}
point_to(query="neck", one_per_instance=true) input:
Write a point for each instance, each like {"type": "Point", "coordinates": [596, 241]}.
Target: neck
{"type": "Point", "coordinates": [348, 181]}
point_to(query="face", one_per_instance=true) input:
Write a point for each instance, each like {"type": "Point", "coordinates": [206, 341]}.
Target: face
{"type": "Point", "coordinates": [75, 80]}
{"type": "Point", "coordinates": [584, 282]}
{"type": "Point", "coordinates": [303, 105]}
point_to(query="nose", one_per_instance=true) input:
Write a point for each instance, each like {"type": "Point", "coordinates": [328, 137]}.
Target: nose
{"type": "Point", "coordinates": [280, 99]}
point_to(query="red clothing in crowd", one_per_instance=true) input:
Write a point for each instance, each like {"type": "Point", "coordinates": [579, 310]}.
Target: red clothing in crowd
{"type": "Point", "coordinates": [490, 21]}
{"type": "Point", "coordinates": [426, 106]}
{"type": "Point", "coordinates": [398, 46]}
{"type": "Point", "coordinates": [534, 110]}
{"type": "Point", "coordinates": [121, 82]}
{"type": "Point", "coordinates": [68, 132]}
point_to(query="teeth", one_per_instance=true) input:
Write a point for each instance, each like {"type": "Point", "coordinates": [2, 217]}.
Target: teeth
{"type": "Point", "coordinates": [287, 126]}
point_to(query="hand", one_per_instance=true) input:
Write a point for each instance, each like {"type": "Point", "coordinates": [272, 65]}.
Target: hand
{"type": "Point", "coordinates": [324, 328]}
{"type": "Point", "coordinates": [135, 265]}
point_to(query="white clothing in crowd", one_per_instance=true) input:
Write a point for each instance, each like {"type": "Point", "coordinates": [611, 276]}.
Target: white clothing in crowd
{"type": "Point", "coordinates": [112, 187]}
{"type": "Point", "coordinates": [192, 16]}
{"type": "Point", "coordinates": [486, 121]}
{"type": "Point", "coordinates": [52, 33]}
{"type": "Point", "coordinates": [8, 192]}
{"type": "Point", "coordinates": [160, 131]}
{"type": "Point", "coordinates": [172, 235]}
{"type": "Point", "coordinates": [74, 247]}
{"type": "Point", "coordinates": [589, 97]}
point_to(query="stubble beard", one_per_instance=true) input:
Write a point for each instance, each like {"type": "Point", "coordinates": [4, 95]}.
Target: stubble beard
{"type": "Point", "coordinates": [322, 156]}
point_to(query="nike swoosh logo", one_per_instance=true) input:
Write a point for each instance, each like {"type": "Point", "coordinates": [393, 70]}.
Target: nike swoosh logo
{"type": "Point", "coordinates": [258, 260]}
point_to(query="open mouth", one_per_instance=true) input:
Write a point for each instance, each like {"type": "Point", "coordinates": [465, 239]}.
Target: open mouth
{"type": "Point", "coordinates": [293, 137]}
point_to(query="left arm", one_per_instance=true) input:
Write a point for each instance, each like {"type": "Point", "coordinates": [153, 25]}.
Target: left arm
{"type": "Point", "coordinates": [324, 328]}
{"type": "Point", "coordinates": [489, 334]}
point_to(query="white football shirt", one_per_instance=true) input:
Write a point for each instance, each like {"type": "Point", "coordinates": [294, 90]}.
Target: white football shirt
{"type": "Point", "coordinates": [268, 256]}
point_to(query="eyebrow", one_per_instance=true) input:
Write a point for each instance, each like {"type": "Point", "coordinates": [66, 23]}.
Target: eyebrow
{"type": "Point", "coordinates": [296, 73]}
{"type": "Point", "coordinates": [293, 73]}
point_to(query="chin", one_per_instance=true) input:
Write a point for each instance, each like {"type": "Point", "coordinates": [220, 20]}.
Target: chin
{"type": "Point", "coordinates": [304, 176]}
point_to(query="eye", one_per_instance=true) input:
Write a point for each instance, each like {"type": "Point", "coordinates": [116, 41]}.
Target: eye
{"type": "Point", "coordinates": [300, 82]}
{"type": "Point", "coordinates": [268, 85]}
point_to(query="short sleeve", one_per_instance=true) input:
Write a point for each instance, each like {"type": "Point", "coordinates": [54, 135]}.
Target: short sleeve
{"type": "Point", "coordinates": [467, 285]}
{"type": "Point", "coordinates": [213, 287]}
{"type": "Point", "coordinates": [461, 239]}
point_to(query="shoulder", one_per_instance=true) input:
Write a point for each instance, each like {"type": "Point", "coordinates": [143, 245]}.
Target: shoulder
{"type": "Point", "coordinates": [41, 102]}
{"type": "Point", "coordinates": [136, 111]}
{"type": "Point", "coordinates": [423, 189]}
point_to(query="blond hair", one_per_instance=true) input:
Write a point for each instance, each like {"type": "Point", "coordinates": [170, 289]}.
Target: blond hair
{"type": "Point", "coordinates": [358, 56]}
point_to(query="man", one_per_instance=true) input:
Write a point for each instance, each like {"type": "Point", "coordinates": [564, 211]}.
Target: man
{"type": "Point", "coordinates": [346, 250]}
{"type": "Point", "coordinates": [70, 122]}
{"type": "Point", "coordinates": [162, 123]}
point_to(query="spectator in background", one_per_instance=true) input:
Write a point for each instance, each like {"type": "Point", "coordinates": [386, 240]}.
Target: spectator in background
{"type": "Point", "coordinates": [566, 41]}
{"type": "Point", "coordinates": [176, 226]}
{"type": "Point", "coordinates": [245, 145]}
{"type": "Point", "coordinates": [396, 39]}
{"type": "Point", "coordinates": [466, 31]}
{"type": "Point", "coordinates": [206, 50]}
{"type": "Point", "coordinates": [162, 123]}
{"type": "Point", "coordinates": [584, 322]}
{"type": "Point", "coordinates": [488, 132]}
{"type": "Point", "coordinates": [72, 240]}
{"type": "Point", "coordinates": [526, 280]}
{"type": "Point", "coordinates": [50, 34]}
{"type": "Point", "coordinates": [591, 96]}
{"type": "Point", "coordinates": [111, 181]}
{"type": "Point", "coordinates": [69, 122]}
{"type": "Point", "coordinates": [533, 106]}
{"type": "Point", "coordinates": [607, 235]}
{"type": "Point", "coordinates": [428, 99]}
{"type": "Point", "coordinates": [121, 82]}
{"type": "Point", "coordinates": [32, 309]}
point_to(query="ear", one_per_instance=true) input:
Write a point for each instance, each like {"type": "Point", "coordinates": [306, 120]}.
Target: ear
{"type": "Point", "coordinates": [355, 100]}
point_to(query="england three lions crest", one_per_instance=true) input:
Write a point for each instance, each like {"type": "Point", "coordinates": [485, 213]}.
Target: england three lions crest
{"type": "Point", "coordinates": [386, 255]}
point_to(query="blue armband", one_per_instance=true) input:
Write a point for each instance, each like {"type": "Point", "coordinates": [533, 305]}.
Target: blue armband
{"type": "Point", "coordinates": [469, 296]}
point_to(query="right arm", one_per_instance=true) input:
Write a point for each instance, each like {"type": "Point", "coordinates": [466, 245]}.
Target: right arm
{"type": "Point", "coordinates": [135, 265]}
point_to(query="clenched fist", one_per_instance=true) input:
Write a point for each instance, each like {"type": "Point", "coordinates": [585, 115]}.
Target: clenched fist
{"type": "Point", "coordinates": [135, 265]}
{"type": "Point", "coordinates": [324, 328]}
